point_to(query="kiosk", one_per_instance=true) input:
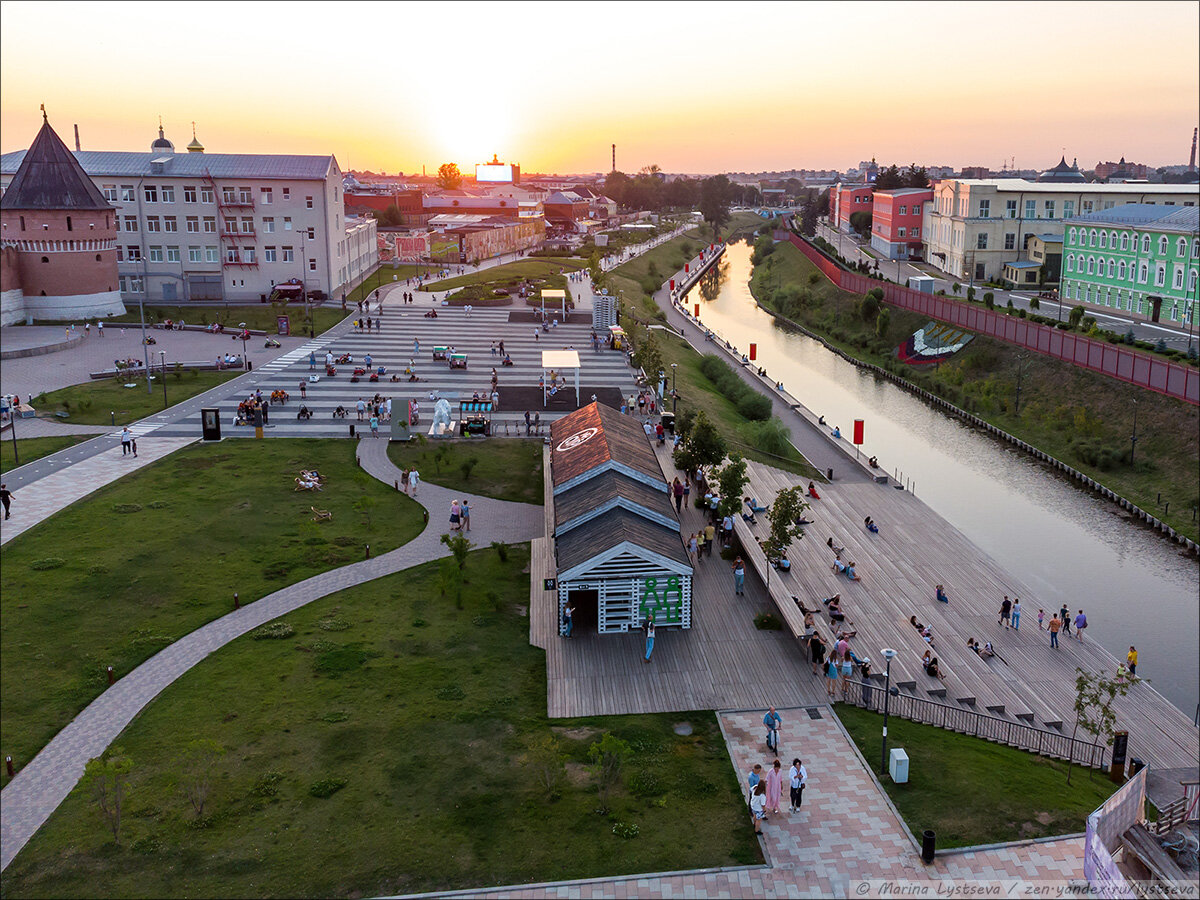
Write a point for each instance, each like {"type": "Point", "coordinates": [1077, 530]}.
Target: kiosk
{"type": "Point", "coordinates": [458, 360]}
{"type": "Point", "coordinates": [441, 352]}
{"type": "Point", "coordinates": [475, 418]}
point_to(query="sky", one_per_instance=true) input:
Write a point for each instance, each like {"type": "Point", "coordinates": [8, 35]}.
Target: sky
{"type": "Point", "coordinates": [697, 87]}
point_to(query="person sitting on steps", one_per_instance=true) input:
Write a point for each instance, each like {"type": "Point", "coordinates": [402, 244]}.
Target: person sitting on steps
{"type": "Point", "coordinates": [930, 664]}
{"type": "Point", "coordinates": [837, 551]}
{"type": "Point", "coordinates": [870, 525]}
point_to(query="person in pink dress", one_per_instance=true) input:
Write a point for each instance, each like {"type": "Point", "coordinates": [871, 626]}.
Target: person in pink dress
{"type": "Point", "coordinates": [774, 787]}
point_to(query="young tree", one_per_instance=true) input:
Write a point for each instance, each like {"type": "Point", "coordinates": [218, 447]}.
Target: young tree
{"type": "Point", "coordinates": [861, 222]}
{"type": "Point", "coordinates": [448, 177]}
{"type": "Point", "coordinates": [648, 357]}
{"type": "Point", "coordinates": [196, 768]}
{"type": "Point", "coordinates": [548, 760]}
{"type": "Point", "coordinates": [107, 776]}
{"type": "Point", "coordinates": [608, 755]}
{"type": "Point", "coordinates": [882, 322]}
{"type": "Point", "coordinates": [684, 422]}
{"type": "Point", "coordinates": [1076, 316]}
{"type": "Point", "coordinates": [704, 446]}
{"type": "Point", "coordinates": [731, 481]}
{"type": "Point", "coordinates": [715, 194]}
{"type": "Point", "coordinates": [460, 545]}
{"type": "Point", "coordinates": [783, 515]}
{"type": "Point", "coordinates": [1094, 695]}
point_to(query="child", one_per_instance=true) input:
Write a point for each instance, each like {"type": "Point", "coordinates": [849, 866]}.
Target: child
{"type": "Point", "coordinates": [1041, 619]}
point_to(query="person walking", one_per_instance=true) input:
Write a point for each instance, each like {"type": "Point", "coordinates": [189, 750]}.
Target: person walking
{"type": "Point", "coordinates": [1005, 611]}
{"type": "Point", "coordinates": [774, 787]}
{"type": "Point", "coordinates": [414, 479]}
{"type": "Point", "coordinates": [816, 652]}
{"type": "Point", "coordinates": [1055, 625]}
{"type": "Point", "coordinates": [466, 515]}
{"type": "Point", "coordinates": [126, 437]}
{"type": "Point", "coordinates": [677, 490]}
{"type": "Point", "coordinates": [133, 447]}
{"type": "Point", "coordinates": [649, 637]}
{"type": "Point", "coordinates": [6, 498]}
{"type": "Point", "coordinates": [758, 806]}
{"type": "Point", "coordinates": [1080, 624]}
{"type": "Point", "coordinates": [831, 675]}
{"type": "Point", "coordinates": [361, 406]}
{"type": "Point", "coordinates": [1130, 657]}
{"type": "Point", "coordinates": [1041, 620]}
{"type": "Point", "coordinates": [753, 777]}
{"type": "Point", "coordinates": [1064, 616]}
{"type": "Point", "coordinates": [739, 576]}
{"type": "Point", "coordinates": [772, 721]}
{"type": "Point", "coordinates": [710, 537]}
{"type": "Point", "coordinates": [568, 619]}
{"type": "Point", "coordinates": [700, 542]}
{"type": "Point", "coordinates": [375, 426]}
{"type": "Point", "coordinates": [798, 778]}
{"type": "Point", "coordinates": [100, 329]}
{"type": "Point", "coordinates": [455, 515]}
{"type": "Point", "coordinates": [1016, 614]}
{"type": "Point", "coordinates": [312, 360]}
{"type": "Point", "coordinates": [404, 480]}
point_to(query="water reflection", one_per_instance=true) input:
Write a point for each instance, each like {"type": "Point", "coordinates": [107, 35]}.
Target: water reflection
{"type": "Point", "coordinates": [1069, 545]}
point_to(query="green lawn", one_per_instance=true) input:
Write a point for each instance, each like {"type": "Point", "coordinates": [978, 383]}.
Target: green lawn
{"type": "Point", "coordinates": [258, 316]}
{"type": "Point", "coordinates": [971, 791]}
{"type": "Point", "coordinates": [505, 468]}
{"type": "Point", "coordinates": [429, 720]}
{"type": "Point", "coordinates": [114, 578]}
{"type": "Point", "coordinates": [29, 449]}
{"type": "Point", "coordinates": [94, 402]}
{"type": "Point", "coordinates": [1080, 417]}
{"type": "Point", "coordinates": [531, 267]}
{"type": "Point", "coordinates": [383, 275]}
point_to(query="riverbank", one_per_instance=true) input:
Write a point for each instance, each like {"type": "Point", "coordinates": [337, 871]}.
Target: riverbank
{"type": "Point", "coordinates": [1079, 417]}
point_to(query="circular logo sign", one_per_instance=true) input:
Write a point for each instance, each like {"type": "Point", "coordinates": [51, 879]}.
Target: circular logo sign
{"type": "Point", "coordinates": [576, 439]}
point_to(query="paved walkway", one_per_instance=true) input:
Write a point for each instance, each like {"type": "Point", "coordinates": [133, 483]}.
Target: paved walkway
{"type": "Point", "coordinates": [846, 841]}
{"type": "Point", "coordinates": [37, 790]}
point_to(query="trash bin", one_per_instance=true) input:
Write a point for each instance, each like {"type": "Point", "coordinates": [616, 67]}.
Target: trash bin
{"type": "Point", "coordinates": [351, 431]}
{"type": "Point", "coordinates": [928, 842]}
{"type": "Point", "coordinates": [1136, 765]}
{"type": "Point", "coordinates": [668, 422]}
{"type": "Point", "coordinates": [830, 473]}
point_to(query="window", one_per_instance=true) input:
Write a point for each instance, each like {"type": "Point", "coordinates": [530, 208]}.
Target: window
{"type": "Point", "coordinates": [1068, 209]}
{"type": "Point", "coordinates": [210, 224]}
{"type": "Point", "coordinates": [156, 254]}
{"type": "Point", "coordinates": [1112, 239]}
{"type": "Point", "coordinates": [231, 226]}
{"type": "Point", "coordinates": [1091, 265]}
{"type": "Point", "coordinates": [268, 224]}
{"type": "Point", "coordinates": [245, 195]}
{"type": "Point", "coordinates": [264, 196]}
{"type": "Point", "coordinates": [172, 254]}
{"type": "Point", "coordinates": [1092, 238]}
{"type": "Point", "coordinates": [1010, 241]}
{"type": "Point", "coordinates": [1031, 209]}
{"type": "Point", "coordinates": [193, 224]}
{"type": "Point", "coordinates": [1192, 285]}
{"type": "Point", "coordinates": [1121, 270]}
{"type": "Point", "coordinates": [312, 233]}
{"type": "Point", "coordinates": [1070, 263]}
{"type": "Point", "coordinates": [1112, 268]}
{"type": "Point", "coordinates": [1145, 243]}
{"type": "Point", "coordinates": [127, 194]}
{"type": "Point", "coordinates": [312, 265]}
{"type": "Point", "coordinates": [899, 233]}
{"type": "Point", "coordinates": [131, 223]}
{"type": "Point", "coordinates": [1160, 275]}
{"type": "Point", "coordinates": [1162, 245]}
{"type": "Point", "coordinates": [1143, 271]}
{"type": "Point", "coordinates": [122, 284]}
{"type": "Point", "coordinates": [194, 254]}
{"type": "Point", "coordinates": [231, 254]}
{"type": "Point", "coordinates": [287, 193]}
{"type": "Point", "coordinates": [915, 232]}
{"type": "Point", "coordinates": [110, 192]}
{"type": "Point", "coordinates": [308, 204]}
{"type": "Point", "coordinates": [1071, 236]}
{"type": "Point", "coordinates": [120, 254]}
{"type": "Point", "coordinates": [247, 225]}
{"type": "Point", "coordinates": [248, 254]}
{"type": "Point", "coordinates": [211, 255]}
{"type": "Point", "coordinates": [150, 192]}
{"type": "Point", "coordinates": [981, 241]}
{"type": "Point", "coordinates": [170, 223]}
{"type": "Point", "coordinates": [206, 195]}
{"type": "Point", "coordinates": [1010, 209]}
{"type": "Point", "coordinates": [903, 210]}
{"type": "Point", "coordinates": [189, 194]}
{"type": "Point", "coordinates": [287, 223]}
{"type": "Point", "coordinates": [1181, 247]}
{"type": "Point", "coordinates": [1086, 206]}
{"type": "Point", "coordinates": [152, 223]}
{"type": "Point", "coordinates": [133, 252]}
{"type": "Point", "coordinates": [985, 209]}
{"type": "Point", "coordinates": [268, 254]}
{"type": "Point", "coordinates": [135, 284]}
{"type": "Point", "coordinates": [1178, 283]}
{"type": "Point", "coordinates": [229, 195]}
{"type": "Point", "coordinates": [288, 255]}
{"type": "Point", "coordinates": [1196, 247]}
{"type": "Point", "coordinates": [1124, 241]}
{"type": "Point", "coordinates": [916, 209]}
{"type": "Point", "coordinates": [1104, 239]}
{"type": "Point", "coordinates": [1048, 206]}
{"type": "Point", "coordinates": [168, 193]}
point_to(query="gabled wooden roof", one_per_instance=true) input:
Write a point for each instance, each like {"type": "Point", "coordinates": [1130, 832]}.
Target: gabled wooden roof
{"type": "Point", "coordinates": [605, 489]}
{"type": "Point", "coordinates": [595, 438]}
{"type": "Point", "coordinates": [616, 527]}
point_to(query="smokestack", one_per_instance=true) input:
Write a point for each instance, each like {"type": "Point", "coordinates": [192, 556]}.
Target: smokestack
{"type": "Point", "coordinates": [77, 142]}
{"type": "Point", "coordinates": [615, 154]}
{"type": "Point", "coordinates": [1192, 159]}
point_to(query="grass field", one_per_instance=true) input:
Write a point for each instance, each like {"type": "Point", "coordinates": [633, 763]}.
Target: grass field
{"type": "Point", "coordinates": [1080, 417]}
{"type": "Point", "coordinates": [94, 402]}
{"type": "Point", "coordinates": [114, 578]}
{"type": "Point", "coordinates": [258, 316]}
{"type": "Point", "coordinates": [505, 468]}
{"type": "Point", "coordinates": [971, 791]}
{"type": "Point", "coordinates": [29, 449]}
{"type": "Point", "coordinates": [391, 744]}
{"type": "Point", "coordinates": [532, 267]}
{"type": "Point", "coordinates": [383, 275]}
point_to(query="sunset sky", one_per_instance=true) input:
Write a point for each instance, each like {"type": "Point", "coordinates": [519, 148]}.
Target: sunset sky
{"type": "Point", "coordinates": [695, 87]}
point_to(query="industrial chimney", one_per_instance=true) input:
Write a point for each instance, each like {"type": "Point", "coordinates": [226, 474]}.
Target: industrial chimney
{"type": "Point", "coordinates": [77, 148]}
{"type": "Point", "coordinates": [615, 155]}
{"type": "Point", "coordinates": [1192, 158]}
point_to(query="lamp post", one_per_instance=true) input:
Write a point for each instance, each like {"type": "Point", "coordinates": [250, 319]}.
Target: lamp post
{"type": "Point", "coordinates": [145, 346]}
{"type": "Point", "coordinates": [1133, 437]}
{"type": "Point", "coordinates": [163, 359]}
{"type": "Point", "coordinates": [304, 271]}
{"type": "Point", "coordinates": [12, 418]}
{"type": "Point", "coordinates": [888, 654]}
{"type": "Point", "coordinates": [674, 394]}
{"type": "Point", "coordinates": [245, 359]}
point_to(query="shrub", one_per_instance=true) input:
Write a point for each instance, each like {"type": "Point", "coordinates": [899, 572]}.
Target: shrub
{"type": "Point", "coordinates": [767, 622]}
{"type": "Point", "coordinates": [326, 787]}
{"type": "Point", "coordinates": [626, 830]}
{"type": "Point", "coordinates": [754, 406]}
{"type": "Point", "coordinates": [971, 294]}
{"type": "Point", "coordinates": [273, 631]}
{"type": "Point", "coordinates": [773, 437]}
{"type": "Point", "coordinates": [49, 562]}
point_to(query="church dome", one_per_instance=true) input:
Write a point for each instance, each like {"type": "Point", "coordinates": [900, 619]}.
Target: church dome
{"type": "Point", "coordinates": [195, 146]}
{"type": "Point", "coordinates": [1062, 173]}
{"type": "Point", "coordinates": [160, 144]}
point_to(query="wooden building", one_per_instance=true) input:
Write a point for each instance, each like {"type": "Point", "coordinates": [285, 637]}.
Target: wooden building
{"type": "Point", "coordinates": [620, 557]}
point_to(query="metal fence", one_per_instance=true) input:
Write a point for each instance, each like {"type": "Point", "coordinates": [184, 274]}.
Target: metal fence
{"type": "Point", "coordinates": [977, 724]}
{"type": "Point", "coordinates": [1114, 360]}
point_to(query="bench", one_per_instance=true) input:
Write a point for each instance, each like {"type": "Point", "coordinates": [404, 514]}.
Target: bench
{"type": "Point", "coordinates": [140, 371]}
{"type": "Point", "coordinates": [230, 330]}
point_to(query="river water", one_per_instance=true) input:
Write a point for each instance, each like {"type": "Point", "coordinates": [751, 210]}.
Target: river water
{"type": "Point", "coordinates": [1068, 545]}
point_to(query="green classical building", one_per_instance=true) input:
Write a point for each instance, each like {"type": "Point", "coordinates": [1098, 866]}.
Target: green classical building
{"type": "Point", "coordinates": [1141, 258]}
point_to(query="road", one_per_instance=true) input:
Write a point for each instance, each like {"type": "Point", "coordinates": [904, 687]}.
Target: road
{"type": "Point", "coordinates": [854, 250]}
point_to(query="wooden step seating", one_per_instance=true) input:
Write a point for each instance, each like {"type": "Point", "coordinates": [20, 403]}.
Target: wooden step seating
{"type": "Point", "coordinates": [543, 604]}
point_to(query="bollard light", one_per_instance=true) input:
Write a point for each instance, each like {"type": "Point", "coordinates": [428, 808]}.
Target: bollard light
{"type": "Point", "coordinates": [237, 604]}
{"type": "Point", "coordinates": [9, 765]}
{"type": "Point", "coordinates": [111, 679]}
{"type": "Point", "coordinates": [368, 556]}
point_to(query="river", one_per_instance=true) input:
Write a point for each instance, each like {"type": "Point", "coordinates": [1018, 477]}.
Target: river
{"type": "Point", "coordinates": [1067, 544]}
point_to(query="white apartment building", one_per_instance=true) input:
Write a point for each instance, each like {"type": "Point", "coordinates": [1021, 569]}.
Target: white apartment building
{"type": "Point", "coordinates": [974, 226]}
{"type": "Point", "coordinates": [225, 226]}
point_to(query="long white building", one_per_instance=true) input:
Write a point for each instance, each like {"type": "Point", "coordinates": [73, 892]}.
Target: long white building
{"type": "Point", "coordinates": [974, 226]}
{"type": "Point", "coordinates": [225, 226]}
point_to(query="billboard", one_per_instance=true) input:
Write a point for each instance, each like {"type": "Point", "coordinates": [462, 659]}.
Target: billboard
{"type": "Point", "coordinates": [412, 246]}
{"type": "Point", "coordinates": [493, 172]}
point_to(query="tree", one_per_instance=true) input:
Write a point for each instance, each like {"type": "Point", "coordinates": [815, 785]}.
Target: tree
{"type": "Point", "coordinates": [814, 207]}
{"type": "Point", "coordinates": [971, 294]}
{"type": "Point", "coordinates": [467, 465]}
{"type": "Point", "coordinates": [882, 322]}
{"type": "Point", "coordinates": [703, 447]}
{"type": "Point", "coordinates": [783, 515]}
{"type": "Point", "coordinates": [916, 177]}
{"type": "Point", "coordinates": [389, 217]}
{"type": "Point", "coordinates": [107, 776]}
{"type": "Point", "coordinates": [648, 357]}
{"type": "Point", "coordinates": [870, 304]}
{"type": "Point", "coordinates": [715, 195]}
{"type": "Point", "coordinates": [731, 481]}
{"type": "Point", "coordinates": [684, 422]}
{"type": "Point", "coordinates": [196, 768]}
{"type": "Point", "coordinates": [608, 755]}
{"type": "Point", "coordinates": [460, 545]}
{"type": "Point", "coordinates": [1076, 316]}
{"type": "Point", "coordinates": [861, 222]}
{"type": "Point", "coordinates": [548, 760]}
{"type": "Point", "coordinates": [889, 179]}
{"type": "Point", "coordinates": [448, 177]}
{"type": "Point", "coordinates": [956, 287]}
{"type": "Point", "coordinates": [1094, 695]}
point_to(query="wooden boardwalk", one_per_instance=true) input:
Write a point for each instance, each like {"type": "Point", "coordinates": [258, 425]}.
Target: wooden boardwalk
{"type": "Point", "coordinates": [724, 662]}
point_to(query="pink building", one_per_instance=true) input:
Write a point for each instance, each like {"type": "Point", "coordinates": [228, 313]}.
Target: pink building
{"type": "Point", "coordinates": [896, 222]}
{"type": "Point", "coordinates": [847, 199]}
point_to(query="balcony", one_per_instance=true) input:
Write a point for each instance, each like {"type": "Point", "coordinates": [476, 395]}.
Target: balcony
{"type": "Point", "coordinates": [231, 203]}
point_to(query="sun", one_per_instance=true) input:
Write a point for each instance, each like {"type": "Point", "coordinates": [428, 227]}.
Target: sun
{"type": "Point", "coordinates": [468, 136]}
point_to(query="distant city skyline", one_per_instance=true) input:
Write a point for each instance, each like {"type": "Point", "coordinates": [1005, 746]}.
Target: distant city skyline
{"type": "Point", "coordinates": [707, 88]}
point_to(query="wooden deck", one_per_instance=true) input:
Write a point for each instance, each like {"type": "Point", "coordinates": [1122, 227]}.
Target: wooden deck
{"type": "Point", "coordinates": [724, 662]}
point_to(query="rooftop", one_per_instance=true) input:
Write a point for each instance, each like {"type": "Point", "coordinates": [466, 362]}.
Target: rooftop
{"type": "Point", "coordinates": [598, 438]}
{"type": "Point", "coordinates": [1042, 187]}
{"type": "Point", "coordinates": [121, 164]}
{"type": "Point", "coordinates": [50, 178]}
{"type": "Point", "coordinates": [613, 528]}
{"type": "Point", "coordinates": [1185, 219]}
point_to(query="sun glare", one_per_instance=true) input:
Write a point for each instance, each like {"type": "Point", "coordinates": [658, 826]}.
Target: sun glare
{"type": "Point", "coordinates": [468, 136]}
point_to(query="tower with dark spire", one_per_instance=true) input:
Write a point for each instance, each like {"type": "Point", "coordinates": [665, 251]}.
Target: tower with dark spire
{"type": "Point", "coordinates": [59, 236]}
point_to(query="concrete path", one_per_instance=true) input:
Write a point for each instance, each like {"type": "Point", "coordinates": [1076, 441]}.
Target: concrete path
{"type": "Point", "coordinates": [38, 788]}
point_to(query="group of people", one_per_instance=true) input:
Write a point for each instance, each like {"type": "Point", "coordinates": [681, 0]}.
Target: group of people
{"type": "Point", "coordinates": [766, 789]}
{"type": "Point", "coordinates": [460, 514]}
{"type": "Point", "coordinates": [410, 479]}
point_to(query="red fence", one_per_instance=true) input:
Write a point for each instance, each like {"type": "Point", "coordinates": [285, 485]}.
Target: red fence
{"type": "Point", "coordinates": [1114, 360]}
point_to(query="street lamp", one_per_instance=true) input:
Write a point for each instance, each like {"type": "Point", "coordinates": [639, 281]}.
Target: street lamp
{"type": "Point", "coordinates": [245, 359]}
{"type": "Point", "coordinates": [888, 654]}
{"type": "Point", "coordinates": [674, 394]}
{"type": "Point", "coordinates": [1133, 437]}
{"type": "Point", "coordinates": [163, 358]}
